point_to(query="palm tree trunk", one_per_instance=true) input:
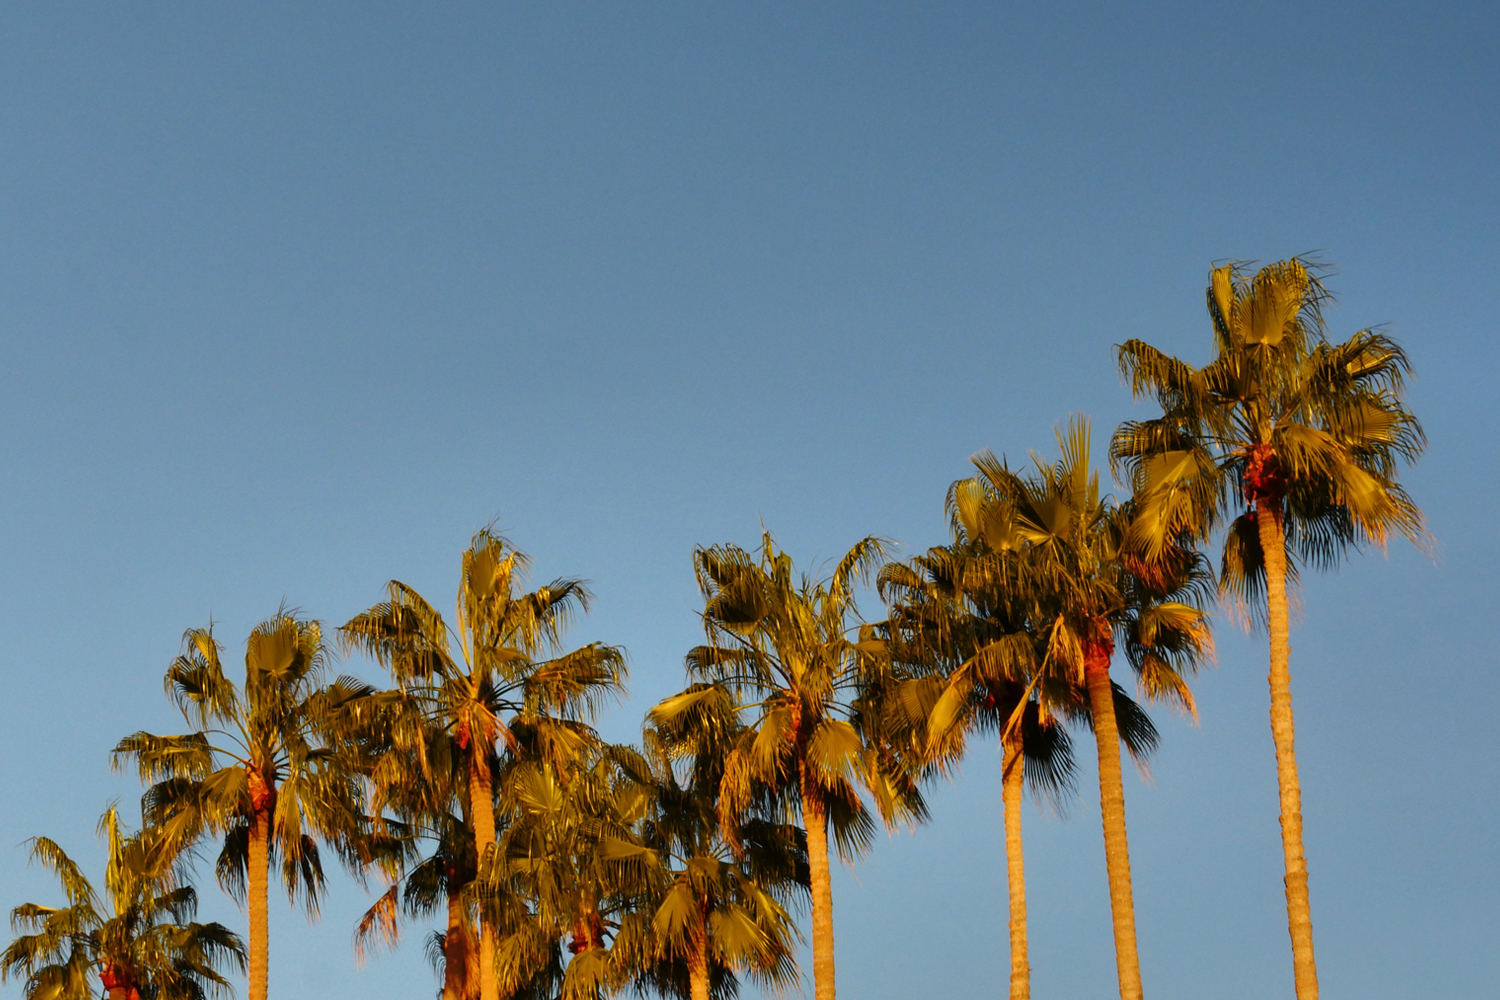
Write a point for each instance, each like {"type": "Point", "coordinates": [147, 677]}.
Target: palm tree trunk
{"type": "Point", "coordinates": [1283, 732]}
{"type": "Point", "coordinates": [1015, 867]}
{"type": "Point", "coordinates": [1096, 656]}
{"type": "Point", "coordinates": [483, 808]}
{"type": "Point", "coordinates": [258, 877]}
{"type": "Point", "coordinates": [816, 820]}
{"type": "Point", "coordinates": [455, 952]}
{"type": "Point", "coordinates": [698, 960]}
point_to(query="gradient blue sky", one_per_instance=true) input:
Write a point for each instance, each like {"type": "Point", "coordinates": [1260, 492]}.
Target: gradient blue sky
{"type": "Point", "coordinates": [295, 297]}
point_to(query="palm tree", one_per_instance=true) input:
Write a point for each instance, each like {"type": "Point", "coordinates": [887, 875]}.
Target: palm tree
{"type": "Point", "coordinates": [781, 645]}
{"type": "Point", "coordinates": [962, 620]}
{"type": "Point", "coordinates": [714, 911]}
{"type": "Point", "coordinates": [975, 657]}
{"type": "Point", "coordinates": [259, 772]}
{"type": "Point", "coordinates": [426, 790]}
{"type": "Point", "coordinates": [140, 940]}
{"type": "Point", "coordinates": [553, 858]}
{"type": "Point", "coordinates": [467, 679]}
{"type": "Point", "coordinates": [1089, 587]}
{"type": "Point", "coordinates": [1293, 443]}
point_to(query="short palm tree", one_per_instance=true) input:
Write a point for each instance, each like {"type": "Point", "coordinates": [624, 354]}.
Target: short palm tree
{"type": "Point", "coordinates": [715, 913]}
{"type": "Point", "coordinates": [1294, 444]}
{"type": "Point", "coordinates": [1089, 588]}
{"type": "Point", "coordinates": [552, 857]}
{"type": "Point", "coordinates": [483, 677]}
{"type": "Point", "coordinates": [259, 772]}
{"type": "Point", "coordinates": [140, 940]}
{"type": "Point", "coordinates": [785, 648]}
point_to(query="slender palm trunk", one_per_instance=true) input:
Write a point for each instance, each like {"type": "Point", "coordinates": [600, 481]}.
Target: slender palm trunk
{"type": "Point", "coordinates": [816, 820]}
{"type": "Point", "coordinates": [698, 960]}
{"type": "Point", "coordinates": [455, 951]}
{"type": "Point", "coordinates": [258, 877]}
{"type": "Point", "coordinates": [1112, 809]}
{"type": "Point", "coordinates": [1015, 866]}
{"type": "Point", "coordinates": [1283, 731]}
{"type": "Point", "coordinates": [483, 809]}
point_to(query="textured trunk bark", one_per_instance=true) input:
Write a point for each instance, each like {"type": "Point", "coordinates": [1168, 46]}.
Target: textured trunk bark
{"type": "Point", "coordinates": [1112, 811]}
{"type": "Point", "coordinates": [816, 821]}
{"type": "Point", "coordinates": [698, 961]}
{"type": "Point", "coordinates": [258, 877]}
{"type": "Point", "coordinates": [1283, 731]}
{"type": "Point", "coordinates": [1015, 867]}
{"type": "Point", "coordinates": [483, 809]}
{"type": "Point", "coordinates": [455, 952]}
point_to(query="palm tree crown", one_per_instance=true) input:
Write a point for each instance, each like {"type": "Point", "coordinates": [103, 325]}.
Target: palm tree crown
{"type": "Point", "coordinates": [259, 772]}
{"type": "Point", "coordinates": [781, 645]}
{"type": "Point", "coordinates": [488, 679]}
{"type": "Point", "coordinates": [140, 940]}
{"type": "Point", "coordinates": [713, 911]}
{"type": "Point", "coordinates": [1280, 420]}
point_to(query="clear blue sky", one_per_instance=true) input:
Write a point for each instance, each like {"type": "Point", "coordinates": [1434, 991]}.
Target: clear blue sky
{"type": "Point", "coordinates": [295, 297]}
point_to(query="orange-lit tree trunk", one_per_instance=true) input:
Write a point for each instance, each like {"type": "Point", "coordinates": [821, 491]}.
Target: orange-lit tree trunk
{"type": "Point", "coordinates": [697, 962]}
{"type": "Point", "coordinates": [258, 878]}
{"type": "Point", "coordinates": [1096, 657]}
{"type": "Point", "coordinates": [458, 957]}
{"type": "Point", "coordinates": [482, 807]}
{"type": "Point", "coordinates": [1014, 773]}
{"type": "Point", "coordinates": [815, 818]}
{"type": "Point", "coordinates": [1283, 732]}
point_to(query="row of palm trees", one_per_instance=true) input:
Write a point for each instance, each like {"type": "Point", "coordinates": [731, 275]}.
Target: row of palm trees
{"type": "Point", "coordinates": [561, 865]}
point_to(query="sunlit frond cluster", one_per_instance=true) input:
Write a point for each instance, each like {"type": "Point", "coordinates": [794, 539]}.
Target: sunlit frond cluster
{"type": "Point", "coordinates": [139, 939]}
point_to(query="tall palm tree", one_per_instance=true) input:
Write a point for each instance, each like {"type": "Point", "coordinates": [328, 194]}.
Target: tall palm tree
{"type": "Point", "coordinates": [482, 677]}
{"type": "Point", "coordinates": [258, 772]}
{"type": "Point", "coordinates": [1090, 589]}
{"type": "Point", "coordinates": [963, 621]}
{"type": "Point", "coordinates": [1291, 442]}
{"type": "Point", "coordinates": [713, 912]}
{"type": "Point", "coordinates": [139, 940]}
{"type": "Point", "coordinates": [785, 647]}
